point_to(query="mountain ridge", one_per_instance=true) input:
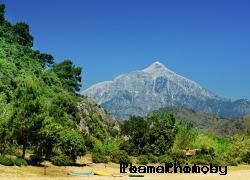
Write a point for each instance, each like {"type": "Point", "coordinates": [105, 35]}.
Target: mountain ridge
{"type": "Point", "coordinates": [143, 91]}
{"type": "Point", "coordinates": [208, 122]}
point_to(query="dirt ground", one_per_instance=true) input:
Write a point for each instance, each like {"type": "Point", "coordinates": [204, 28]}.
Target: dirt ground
{"type": "Point", "coordinates": [58, 173]}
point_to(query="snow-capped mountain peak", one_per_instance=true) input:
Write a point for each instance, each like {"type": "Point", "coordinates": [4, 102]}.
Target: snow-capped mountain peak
{"type": "Point", "coordinates": [156, 66]}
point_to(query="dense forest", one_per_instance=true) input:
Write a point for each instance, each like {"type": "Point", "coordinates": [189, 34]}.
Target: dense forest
{"type": "Point", "coordinates": [43, 117]}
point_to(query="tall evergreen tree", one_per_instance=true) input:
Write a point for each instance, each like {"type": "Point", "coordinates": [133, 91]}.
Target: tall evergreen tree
{"type": "Point", "coordinates": [69, 74]}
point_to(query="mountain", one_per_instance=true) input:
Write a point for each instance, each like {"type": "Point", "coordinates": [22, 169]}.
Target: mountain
{"type": "Point", "coordinates": [209, 122]}
{"type": "Point", "coordinates": [141, 92]}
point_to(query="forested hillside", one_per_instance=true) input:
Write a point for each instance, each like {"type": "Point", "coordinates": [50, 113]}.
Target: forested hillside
{"type": "Point", "coordinates": [208, 122]}
{"type": "Point", "coordinates": [40, 107]}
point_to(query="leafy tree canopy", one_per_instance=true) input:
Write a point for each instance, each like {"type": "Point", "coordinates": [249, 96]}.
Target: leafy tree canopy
{"type": "Point", "coordinates": [69, 74]}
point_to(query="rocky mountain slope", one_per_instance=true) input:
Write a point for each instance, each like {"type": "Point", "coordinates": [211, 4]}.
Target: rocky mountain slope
{"type": "Point", "coordinates": [141, 92]}
{"type": "Point", "coordinates": [95, 121]}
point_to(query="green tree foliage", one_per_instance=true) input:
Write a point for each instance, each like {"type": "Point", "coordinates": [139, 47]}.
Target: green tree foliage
{"type": "Point", "coordinates": [165, 159]}
{"type": "Point", "coordinates": [45, 59]}
{"type": "Point", "coordinates": [155, 134]}
{"type": "Point", "coordinates": [21, 30]}
{"type": "Point", "coordinates": [240, 148]}
{"type": "Point", "coordinates": [204, 140]}
{"type": "Point", "coordinates": [120, 157]}
{"type": "Point", "coordinates": [38, 102]}
{"type": "Point", "coordinates": [61, 161]}
{"type": "Point", "coordinates": [28, 111]}
{"type": "Point", "coordinates": [2, 12]}
{"type": "Point", "coordinates": [20, 162]}
{"type": "Point", "coordinates": [136, 129]}
{"type": "Point", "coordinates": [185, 137]}
{"type": "Point", "coordinates": [63, 108]}
{"type": "Point", "coordinates": [161, 134]}
{"type": "Point", "coordinates": [7, 79]}
{"type": "Point", "coordinates": [6, 161]}
{"type": "Point", "coordinates": [69, 74]}
{"type": "Point", "coordinates": [71, 143]}
{"type": "Point", "coordinates": [96, 128]}
{"type": "Point", "coordinates": [5, 114]}
{"type": "Point", "coordinates": [143, 159]}
{"type": "Point", "coordinates": [99, 158]}
{"type": "Point", "coordinates": [110, 146]}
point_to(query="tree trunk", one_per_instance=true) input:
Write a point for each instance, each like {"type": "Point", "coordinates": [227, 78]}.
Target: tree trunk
{"type": "Point", "coordinates": [24, 149]}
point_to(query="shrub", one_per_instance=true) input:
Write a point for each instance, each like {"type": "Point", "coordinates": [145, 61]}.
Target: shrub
{"type": "Point", "coordinates": [120, 157]}
{"type": "Point", "coordinates": [62, 161]}
{"type": "Point", "coordinates": [231, 161]}
{"type": "Point", "coordinates": [97, 145]}
{"type": "Point", "coordinates": [20, 162]}
{"type": "Point", "coordinates": [99, 158]}
{"type": "Point", "coordinates": [205, 160]}
{"type": "Point", "coordinates": [206, 151]}
{"type": "Point", "coordinates": [219, 161]}
{"type": "Point", "coordinates": [206, 155]}
{"type": "Point", "coordinates": [179, 157]}
{"type": "Point", "coordinates": [71, 143]}
{"type": "Point", "coordinates": [152, 158]}
{"type": "Point", "coordinates": [109, 146]}
{"type": "Point", "coordinates": [35, 159]}
{"type": "Point", "coordinates": [6, 161]}
{"type": "Point", "coordinates": [200, 160]}
{"type": "Point", "coordinates": [246, 157]}
{"type": "Point", "coordinates": [143, 159]}
{"type": "Point", "coordinates": [127, 146]}
{"type": "Point", "coordinates": [165, 159]}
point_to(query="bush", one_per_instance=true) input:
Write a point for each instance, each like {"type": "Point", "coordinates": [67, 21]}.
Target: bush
{"type": "Point", "coordinates": [6, 161]}
{"type": "Point", "coordinates": [120, 157]}
{"type": "Point", "coordinates": [20, 162]}
{"type": "Point", "coordinates": [200, 160]}
{"type": "Point", "coordinates": [97, 145]}
{"type": "Point", "coordinates": [231, 161]}
{"type": "Point", "coordinates": [152, 158]}
{"type": "Point", "coordinates": [246, 157]}
{"type": "Point", "coordinates": [61, 161]}
{"type": "Point", "coordinates": [206, 151]}
{"type": "Point", "coordinates": [99, 158]}
{"type": "Point", "coordinates": [143, 159]}
{"type": "Point", "coordinates": [165, 159]}
{"type": "Point", "coordinates": [109, 146]}
{"type": "Point", "coordinates": [127, 146]}
{"type": "Point", "coordinates": [179, 157]}
{"type": "Point", "coordinates": [219, 161]}
{"type": "Point", "coordinates": [35, 159]}
{"type": "Point", "coordinates": [71, 143]}
{"type": "Point", "coordinates": [205, 160]}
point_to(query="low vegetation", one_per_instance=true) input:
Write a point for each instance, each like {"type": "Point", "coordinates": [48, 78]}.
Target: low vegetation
{"type": "Point", "coordinates": [20, 162]}
{"type": "Point", "coordinates": [6, 161]}
{"type": "Point", "coordinates": [61, 161]}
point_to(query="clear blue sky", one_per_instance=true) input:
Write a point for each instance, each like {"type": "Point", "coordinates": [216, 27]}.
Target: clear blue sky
{"type": "Point", "coordinates": [207, 41]}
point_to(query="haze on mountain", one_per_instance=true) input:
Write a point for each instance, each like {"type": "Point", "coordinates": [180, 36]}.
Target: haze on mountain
{"type": "Point", "coordinates": [141, 92]}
